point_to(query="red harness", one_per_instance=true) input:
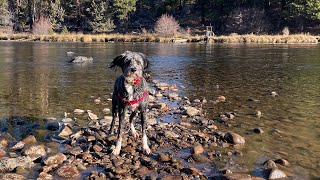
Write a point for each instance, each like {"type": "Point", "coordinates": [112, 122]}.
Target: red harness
{"type": "Point", "coordinates": [135, 101]}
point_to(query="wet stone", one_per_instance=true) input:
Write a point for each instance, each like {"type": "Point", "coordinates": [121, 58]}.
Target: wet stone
{"type": "Point", "coordinates": [163, 157]}
{"type": "Point", "coordinates": [65, 132]}
{"type": "Point", "coordinates": [10, 176]}
{"type": "Point", "coordinates": [282, 162]}
{"type": "Point", "coordinates": [269, 164]}
{"type": "Point", "coordinates": [277, 174]}
{"type": "Point", "coordinates": [191, 111]}
{"type": "Point", "coordinates": [39, 150]}
{"type": "Point", "coordinates": [56, 159]}
{"type": "Point", "coordinates": [199, 158]}
{"type": "Point", "coordinates": [234, 138]}
{"type": "Point", "coordinates": [68, 171]}
{"type": "Point", "coordinates": [197, 149]}
{"type": "Point", "coordinates": [9, 164]}
{"type": "Point", "coordinates": [44, 176]}
{"type": "Point", "coordinates": [78, 111]}
{"type": "Point", "coordinates": [97, 148]}
{"type": "Point", "coordinates": [258, 130]}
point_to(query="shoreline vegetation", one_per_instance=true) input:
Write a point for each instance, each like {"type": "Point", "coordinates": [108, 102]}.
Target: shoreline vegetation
{"type": "Point", "coordinates": [233, 38]}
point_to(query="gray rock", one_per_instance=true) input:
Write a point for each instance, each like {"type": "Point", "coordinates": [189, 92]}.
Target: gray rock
{"type": "Point", "coordinates": [277, 174]}
{"type": "Point", "coordinates": [9, 164]}
{"type": "Point", "coordinates": [234, 138]}
{"type": "Point", "coordinates": [80, 59]}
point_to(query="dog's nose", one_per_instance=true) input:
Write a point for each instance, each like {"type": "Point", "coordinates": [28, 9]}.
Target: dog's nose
{"type": "Point", "coordinates": [133, 69]}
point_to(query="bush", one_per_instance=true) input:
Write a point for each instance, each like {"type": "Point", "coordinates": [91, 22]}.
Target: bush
{"type": "Point", "coordinates": [42, 26]}
{"type": "Point", "coordinates": [64, 30]}
{"type": "Point", "coordinates": [285, 31]}
{"type": "Point", "coordinates": [166, 26]}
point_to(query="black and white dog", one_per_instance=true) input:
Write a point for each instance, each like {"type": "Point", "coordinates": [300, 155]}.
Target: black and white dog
{"type": "Point", "coordinates": [130, 93]}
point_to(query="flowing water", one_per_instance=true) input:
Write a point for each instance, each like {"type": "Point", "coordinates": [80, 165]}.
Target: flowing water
{"type": "Point", "coordinates": [37, 82]}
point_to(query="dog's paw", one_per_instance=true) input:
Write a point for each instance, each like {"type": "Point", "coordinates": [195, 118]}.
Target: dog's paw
{"type": "Point", "coordinates": [146, 150]}
{"type": "Point", "coordinates": [135, 134]}
{"type": "Point", "coordinates": [116, 151]}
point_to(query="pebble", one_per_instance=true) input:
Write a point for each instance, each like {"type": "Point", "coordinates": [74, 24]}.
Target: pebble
{"type": "Point", "coordinates": [269, 164]}
{"type": "Point", "coordinates": [106, 110]}
{"type": "Point", "coordinates": [221, 99]}
{"type": "Point", "coordinates": [68, 171]}
{"type": "Point", "coordinates": [282, 162]}
{"type": "Point", "coordinates": [65, 132]}
{"type": "Point", "coordinates": [258, 130]}
{"type": "Point", "coordinates": [197, 149]}
{"type": "Point", "coordinates": [78, 111]}
{"type": "Point", "coordinates": [273, 94]}
{"type": "Point", "coordinates": [191, 111]}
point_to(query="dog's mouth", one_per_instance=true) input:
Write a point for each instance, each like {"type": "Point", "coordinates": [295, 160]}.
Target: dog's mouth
{"type": "Point", "coordinates": [131, 77]}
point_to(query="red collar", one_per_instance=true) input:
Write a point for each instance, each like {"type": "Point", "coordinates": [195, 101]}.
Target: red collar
{"type": "Point", "coordinates": [135, 101]}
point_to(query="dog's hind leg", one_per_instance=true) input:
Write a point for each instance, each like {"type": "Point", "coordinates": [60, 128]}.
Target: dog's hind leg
{"type": "Point", "coordinates": [114, 117]}
{"type": "Point", "coordinates": [145, 145]}
{"type": "Point", "coordinates": [133, 130]}
{"type": "Point", "coordinates": [122, 111]}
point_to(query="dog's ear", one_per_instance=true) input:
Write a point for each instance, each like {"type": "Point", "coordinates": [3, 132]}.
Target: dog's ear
{"type": "Point", "coordinates": [145, 61]}
{"type": "Point", "coordinates": [118, 61]}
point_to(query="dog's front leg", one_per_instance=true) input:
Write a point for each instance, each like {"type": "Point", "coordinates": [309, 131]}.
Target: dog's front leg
{"type": "Point", "coordinates": [122, 112]}
{"type": "Point", "coordinates": [133, 130]}
{"type": "Point", "coordinates": [145, 145]}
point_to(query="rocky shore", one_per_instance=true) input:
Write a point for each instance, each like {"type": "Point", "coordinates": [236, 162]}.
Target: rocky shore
{"type": "Point", "coordinates": [184, 147]}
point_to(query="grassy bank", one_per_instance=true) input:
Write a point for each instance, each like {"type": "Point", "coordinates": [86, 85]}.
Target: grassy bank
{"type": "Point", "coordinates": [249, 38]}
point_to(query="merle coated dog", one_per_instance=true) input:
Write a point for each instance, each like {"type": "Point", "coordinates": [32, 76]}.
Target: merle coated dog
{"type": "Point", "coordinates": [130, 93]}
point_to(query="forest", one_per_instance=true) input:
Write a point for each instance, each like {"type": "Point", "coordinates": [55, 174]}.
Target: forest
{"type": "Point", "coordinates": [136, 16]}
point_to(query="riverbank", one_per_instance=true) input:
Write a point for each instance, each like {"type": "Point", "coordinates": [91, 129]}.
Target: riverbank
{"type": "Point", "coordinates": [186, 149]}
{"type": "Point", "coordinates": [248, 38]}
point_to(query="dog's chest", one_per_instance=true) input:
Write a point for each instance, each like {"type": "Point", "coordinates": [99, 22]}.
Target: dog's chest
{"type": "Point", "coordinates": [130, 91]}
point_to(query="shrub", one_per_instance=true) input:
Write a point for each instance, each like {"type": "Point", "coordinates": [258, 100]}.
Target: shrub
{"type": "Point", "coordinates": [285, 31]}
{"type": "Point", "coordinates": [42, 26]}
{"type": "Point", "coordinates": [166, 25]}
{"type": "Point", "coordinates": [64, 30]}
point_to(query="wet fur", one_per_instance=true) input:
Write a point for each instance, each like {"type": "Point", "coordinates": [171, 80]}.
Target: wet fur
{"type": "Point", "coordinates": [125, 87]}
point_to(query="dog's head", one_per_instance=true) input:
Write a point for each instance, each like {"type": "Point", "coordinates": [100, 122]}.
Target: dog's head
{"type": "Point", "coordinates": [132, 64]}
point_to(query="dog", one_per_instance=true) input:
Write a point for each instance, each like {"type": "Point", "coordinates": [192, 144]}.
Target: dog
{"type": "Point", "coordinates": [130, 93]}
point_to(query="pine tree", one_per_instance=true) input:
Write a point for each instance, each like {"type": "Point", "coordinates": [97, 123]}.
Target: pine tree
{"type": "Point", "coordinates": [100, 22]}
{"type": "Point", "coordinates": [5, 14]}
{"type": "Point", "coordinates": [56, 14]}
{"type": "Point", "coordinates": [123, 8]}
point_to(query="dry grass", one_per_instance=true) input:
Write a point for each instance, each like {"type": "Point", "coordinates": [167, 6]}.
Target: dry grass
{"type": "Point", "coordinates": [149, 37]}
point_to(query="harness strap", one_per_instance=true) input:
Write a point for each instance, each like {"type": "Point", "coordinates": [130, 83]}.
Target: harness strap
{"type": "Point", "coordinates": [135, 101]}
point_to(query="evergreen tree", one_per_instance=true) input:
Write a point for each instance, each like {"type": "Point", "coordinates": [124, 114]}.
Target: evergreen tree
{"type": "Point", "coordinates": [123, 8]}
{"type": "Point", "coordinates": [56, 14]}
{"type": "Point", "coordinates": [100, 22]}
{"type": "Point", "coordinates": [5, 14]}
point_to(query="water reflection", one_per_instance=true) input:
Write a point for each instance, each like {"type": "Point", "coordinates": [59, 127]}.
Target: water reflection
{"type": "Point", "coordinates": [36, 81]}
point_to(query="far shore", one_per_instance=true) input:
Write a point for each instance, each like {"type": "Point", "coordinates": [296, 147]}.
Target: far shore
{"type": "Point", "coordinates": [247, 38]}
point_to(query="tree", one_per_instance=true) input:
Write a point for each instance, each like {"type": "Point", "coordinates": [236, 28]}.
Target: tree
{"type": "Point", "coordinates": [122, 9]}
{"type": "Point", "coordinates": [307, 8]}
{"type": "Point", "coordinates": [5, 14]}
{"type": "Point", "coordinates": [100, 22]}
{"type": "Point", "coordinates": [166, 25]}
{"type": "Point", "coordinates": [56, 14]}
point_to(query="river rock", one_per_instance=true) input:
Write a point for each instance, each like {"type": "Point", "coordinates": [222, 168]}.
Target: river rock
{"type": "Point", "coordinates": [44, 176]}
{"type": "Point", "coordinates": [65, 132]}
{"type": "Point", "coordinates": [190, 171]}
{"type": "Point", "coordinates": [142, 171]}
{"type": "Point", "coordinates": [258, 130]}
{"type": "Point", "coordinates": [236, 176]}
{"type": "Point", "coordinates": [199, 158]}
{"type": "Point", "coordinates": [191, 111]}
{"type": "Point", "coordinates": [39, 150]}
{"type": "Point", "coordinates": [106, 110]}
{"type": "Point", "coordinates": [151, 121]}
{"type": "Point", "coordinates": [18, 146]}
{"type": "Point", "coordinates": [221, 99]}
{"type": "Point", "coordinates": [11, 176]}
{"type": "Point", "coordinates": [78, 111]}
{"type": "Point", "coordinates": [9, 164]}
{"type": "Point", "coordinates": [282, 162]}
{"type": "Point", "coordinates": [269, 164]}
{"type": "Point", "coordinates": [4, 143]}
{"type": "Point", "coordinates": [170, 134]}
{"type": "Point", "coordinates": [197, 149]}
{"type": "Point", "coordinates": [273, 94]}
{"type": "Point", "coordinates": [2, 153]}
{"type": "Point", "coordinates": [105, 121]}
{"type": "Point", "coordinates": [151, 99]}
{"type": "Point", "coordinates": [234, 138]}
{"type": "Point", "coordinates": [80, 59]}
{"type": "Point", "coordinates": [159, 105]}
{"type": "Point", "coordinates": [173, 96]}
{"type": "Point", "coordinates": [163, 157]}
{"type": "Point", "coordinates": [68, 171]}
{"type": "Point", "coordinates": [276, 174]}
{"type": "Point", "coordinates": [55, 159]}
